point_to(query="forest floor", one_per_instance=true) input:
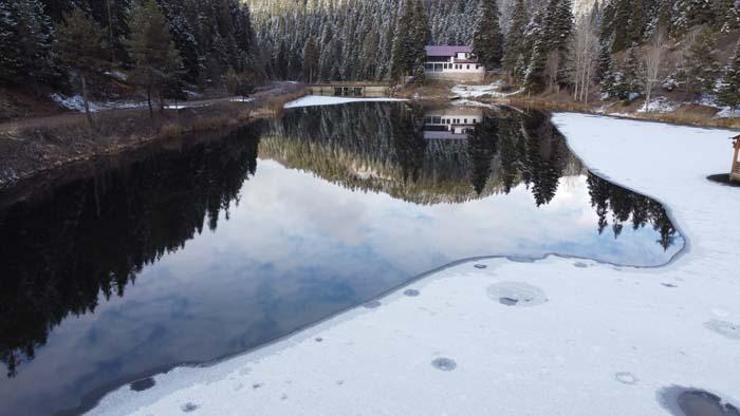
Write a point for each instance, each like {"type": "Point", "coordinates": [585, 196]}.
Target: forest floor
{"type": "Point", "coordinates": [553, 336]}
{"type": "Point", "coordinates": [30, 146]}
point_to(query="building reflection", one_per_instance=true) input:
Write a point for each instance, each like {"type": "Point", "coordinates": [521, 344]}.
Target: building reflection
{"type": "Point", "coordinates": [451, 123]}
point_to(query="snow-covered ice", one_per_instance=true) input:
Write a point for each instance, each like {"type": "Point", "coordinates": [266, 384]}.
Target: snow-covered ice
{"type": "Point", "coordinates": [555, 336]}
{"type": "Point", "coordinates": [314, 100]}
{"type": "Point", "coordinates": [477, 91]}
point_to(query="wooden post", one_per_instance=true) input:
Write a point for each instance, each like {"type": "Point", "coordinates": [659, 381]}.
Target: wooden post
{"type": "Point", "coordinates": [735, 172]}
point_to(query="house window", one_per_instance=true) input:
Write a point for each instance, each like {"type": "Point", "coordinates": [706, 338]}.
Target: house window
{"type": "Point", "coordinates": [465, 121]}
{"type": "Point", "coordinates": [467, 66]}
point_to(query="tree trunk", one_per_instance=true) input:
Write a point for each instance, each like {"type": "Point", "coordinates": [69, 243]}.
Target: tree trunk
{"type": "Point", "coordinates": [110, 32]}
{"type": "Point", "coordinates": [149, 100]}
{"type": "Point", "coordinates": [648, 92]}
{"type": "Point", "coordinates": [90, 120]}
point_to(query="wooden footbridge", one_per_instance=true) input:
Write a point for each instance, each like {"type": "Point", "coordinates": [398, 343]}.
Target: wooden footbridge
{"type": "Point", "coordinates": [351, 89]}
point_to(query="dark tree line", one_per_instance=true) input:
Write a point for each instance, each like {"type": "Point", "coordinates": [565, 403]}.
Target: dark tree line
{"type": "Point", "coordinates": [503, 151]}
{"type": "Point", "coordinates": [191, 42]}
{"type": "Point", "coordinates": [628, 207]}
{"type": "Point", "coordinates": [94, 235]}
{"type": "Point", "coordinates": [541, 45]}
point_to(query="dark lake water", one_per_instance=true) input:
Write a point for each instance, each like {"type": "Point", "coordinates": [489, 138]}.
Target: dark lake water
{"type": "Point", "coordinates": [192, 252]}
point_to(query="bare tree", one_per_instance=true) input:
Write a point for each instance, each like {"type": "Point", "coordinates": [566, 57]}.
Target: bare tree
{"type": "Point", "coordinates": [586, 50]}
{"type": "Point", "coordinates": [651, 63]}
{"type": "Point", "coordinates": [551, 71]}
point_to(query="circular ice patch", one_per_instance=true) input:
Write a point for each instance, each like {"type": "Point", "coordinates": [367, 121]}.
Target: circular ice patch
{"type": "Point", "coordinates": [580, 264]}
{"type": "Point", "coordinates": [188, 407]}
{"type": "Point", "coordinates": [143, 384]}
{"type": "Point", "coordinates": [671, 285]}
{"type": "Point", "coordinates": [725, 328]}
{"type": "Point", "coordinates": [411, 292]}
{"type": "Point", "coordinates": [480, 266]}
{"type": "Point", "coordinates": [516, 294]}
{"type": "Point", "coordinates": [625, 377]}
{"type": "Point", "coordinates": [444, 364]}
{"type": "Point", "coordinates": [372, 304]}
{"type": "Point", "coordinates": [682, 401]}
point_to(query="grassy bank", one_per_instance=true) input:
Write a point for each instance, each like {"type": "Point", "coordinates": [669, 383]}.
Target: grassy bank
{"type": "Point", "coordinates": [30, 147]}
{"type": "Point", "coordinates": [693, 115]}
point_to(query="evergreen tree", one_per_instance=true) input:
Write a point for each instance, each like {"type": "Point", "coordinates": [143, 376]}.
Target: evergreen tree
{"type": "Point", "coordinates": [558, 34]}
{"type": "Point", "coordinates": [112, 16]}
{"type": "Point", "coordinates": [487, 37]}
{"type": "Point", "coordinates": [10, 62]}
{"type": "Point", "coordinates": [618, 25]}
{"type": "Point", "coordinates": [184, 37]}
{"type": "Point", "coordinates": [410, 38]}
{"type": "Point", "coordinates": [727, 15]}
{"type": "Point", "coordinates": [26, 35]}
{"type": "Point", "coordinates": [421, 35]}
{"type": "Point", "coordinates": [689, 13]}
{"type": "Point", "coordinates": [310, 60]}
{"type": "Point", "coordinates": [537, 43]}
{"type": "Point", "coordinates": [631, 71]}
{"type": "Point", "coordinates": [729, 91]}
{"type": "Point", "coordinates": [82, 48]}
{"type": "Point", "coordinates": [156, 60]}
{"type": "Point", "coordinates": [700, 64]}
{"type": "Point", "coordinates": [481, 151]}
{"type": "Point", "coordinates": [637, 22]}
{"type": "Point", "coordinates": [604, 62]}
{"type": "Point", "coordinates": [515, 37]}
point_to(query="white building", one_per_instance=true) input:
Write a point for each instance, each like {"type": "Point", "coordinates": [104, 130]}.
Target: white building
{"type": "Point", "coordinates": [453, 123]}
{"type": "Point", "coordinates": [454, 63]}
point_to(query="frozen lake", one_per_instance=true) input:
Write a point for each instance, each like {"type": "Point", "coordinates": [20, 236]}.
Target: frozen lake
{"type": "Point", "coordinates": [191, 254]}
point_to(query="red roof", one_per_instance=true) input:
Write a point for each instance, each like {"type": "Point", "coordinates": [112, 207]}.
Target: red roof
{"type": "Point", "coordinates": [447, 50]}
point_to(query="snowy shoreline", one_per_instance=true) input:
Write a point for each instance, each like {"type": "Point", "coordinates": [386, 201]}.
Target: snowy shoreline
{"type": "Point", "coordinates": [317, 100]}
{"type": "Point", "coordinates": [580, 333]}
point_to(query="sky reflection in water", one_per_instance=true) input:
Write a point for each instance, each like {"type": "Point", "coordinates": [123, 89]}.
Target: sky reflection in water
{"type": "Point", "coordinates": [341, 204]}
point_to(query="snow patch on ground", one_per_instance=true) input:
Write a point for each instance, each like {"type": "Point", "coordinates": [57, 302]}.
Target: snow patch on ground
{"type": "Point", "coordinates": [77, 103]}
{"type": "Point", "coordinates": [594, 339]}
{"type": "Point", "coordinates": [658, 105]}
{"type": "Point", "coordinates": [710, 100]}
{"type": "Point", "coordinates": [728, 112]}
{"type": "Point", "coordinates": [314, 100]}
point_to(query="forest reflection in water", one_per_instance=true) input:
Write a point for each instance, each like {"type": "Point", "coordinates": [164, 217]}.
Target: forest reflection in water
{"type": "Point", "coordinates": [254, 235]}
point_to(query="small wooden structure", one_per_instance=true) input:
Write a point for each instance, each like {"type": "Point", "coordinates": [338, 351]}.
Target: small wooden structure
{"type": "Point", "coordinates": [735, 172]}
